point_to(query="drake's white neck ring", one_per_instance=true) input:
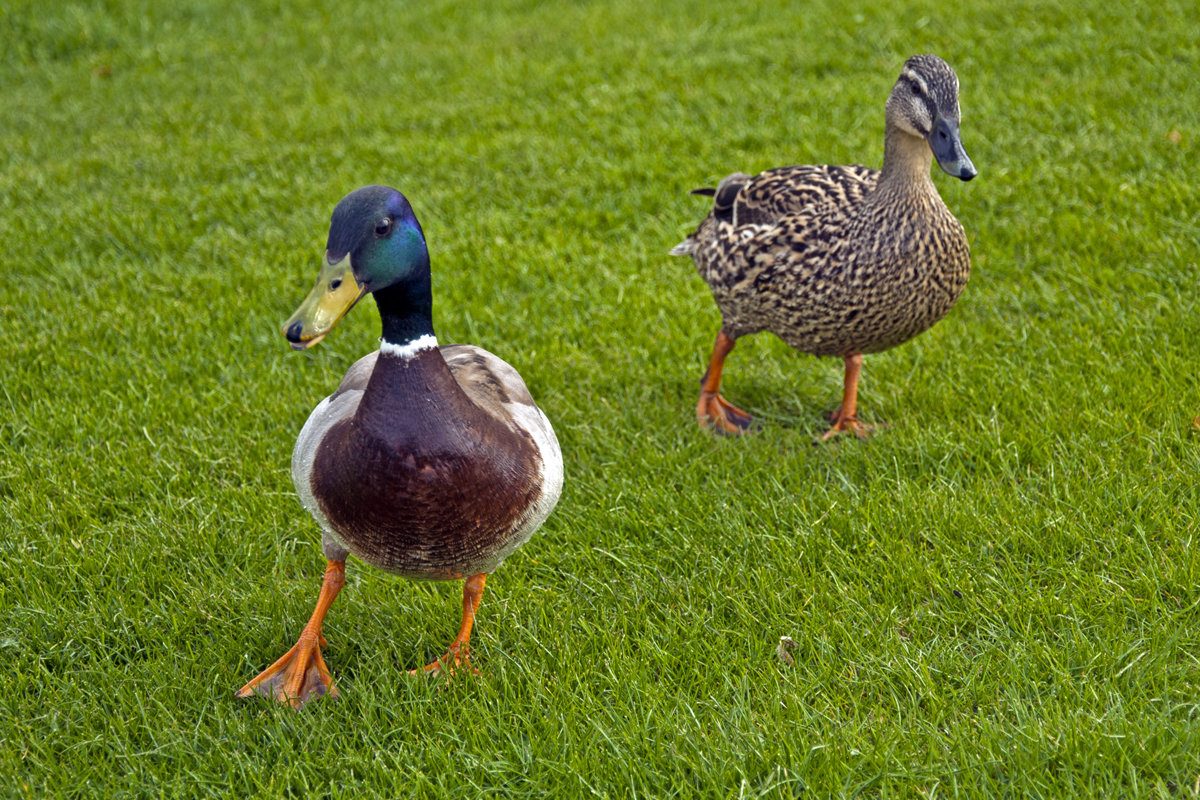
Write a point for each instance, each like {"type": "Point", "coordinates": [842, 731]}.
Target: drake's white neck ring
{"type": "Point", "coordinates": [408, 349]}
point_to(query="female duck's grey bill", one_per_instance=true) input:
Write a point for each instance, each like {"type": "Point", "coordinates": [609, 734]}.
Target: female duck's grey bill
{"type": "Point", "coordinates": [947, 147]}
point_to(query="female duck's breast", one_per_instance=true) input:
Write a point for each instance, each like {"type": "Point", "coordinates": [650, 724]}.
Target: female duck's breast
{"type": "Point", "coordinates": [434, 513]}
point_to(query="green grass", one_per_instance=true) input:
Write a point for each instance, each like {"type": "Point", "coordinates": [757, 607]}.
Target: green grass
{"type": "Point", "coordinates": [998, 594]}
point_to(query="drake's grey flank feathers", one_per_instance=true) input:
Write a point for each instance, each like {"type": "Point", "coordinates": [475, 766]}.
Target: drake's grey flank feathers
{"type": "Point", "coordinates": [839, 260]}
{"type": "Point", "coordinates": [429, 462]}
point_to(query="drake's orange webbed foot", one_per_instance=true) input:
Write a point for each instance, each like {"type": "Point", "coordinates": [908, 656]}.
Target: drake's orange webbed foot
{"type": "Point", "coordinates": [300, 674]}
{"type": "Point", "coordinates": [456, 658]}
{"type": "Point", "coordinates": [458, 654]}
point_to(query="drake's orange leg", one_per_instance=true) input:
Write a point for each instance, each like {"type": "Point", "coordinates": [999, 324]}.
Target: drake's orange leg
{"type": "Point", "coordinates": [459, 651]}
{"type": "Point", "coordinates": [301, 672]}
{"type": "Point", "coordinates": [712, 409]}
{"type": "Point", "coordinates": [846, 417]}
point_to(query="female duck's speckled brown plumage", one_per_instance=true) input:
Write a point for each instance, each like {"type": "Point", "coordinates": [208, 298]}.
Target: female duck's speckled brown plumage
{"type": "Point", "coordinates": [429, 462]}
{"type": "Point", "coordinates": [840, 260]}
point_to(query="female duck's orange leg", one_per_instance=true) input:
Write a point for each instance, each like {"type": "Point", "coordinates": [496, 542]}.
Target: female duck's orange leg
{"type": "Point", "coordinates": [459, 651]}
{"type": "Point", "coordinates": [712, 409]}
{"type": "Point", "coordinates": [301, 672]}
{"type": "Point", "coordinates": [846, 417]}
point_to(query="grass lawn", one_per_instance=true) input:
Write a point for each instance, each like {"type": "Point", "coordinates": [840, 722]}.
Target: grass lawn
{"type": "Point", "coordinates": [998, 594]}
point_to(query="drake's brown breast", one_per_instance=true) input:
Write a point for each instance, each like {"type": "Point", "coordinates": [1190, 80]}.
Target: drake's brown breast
{"type": "Point", "coordinates": [422, 482]}
{"type": "Point", "coordinates": [427, 512]}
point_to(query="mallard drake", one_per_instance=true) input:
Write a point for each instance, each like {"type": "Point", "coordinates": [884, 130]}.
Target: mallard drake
{"type": "Point", "coordinates": [429, 462]}
{"type": "Point", "coordinates": [839, 260]}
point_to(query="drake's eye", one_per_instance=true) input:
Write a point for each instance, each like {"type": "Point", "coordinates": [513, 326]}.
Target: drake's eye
{"type": "Point", "coordinates": [383, 227]}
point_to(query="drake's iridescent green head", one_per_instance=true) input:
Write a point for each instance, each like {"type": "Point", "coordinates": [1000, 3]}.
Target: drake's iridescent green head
{"type": "Point", "coordinates": [375, 244]}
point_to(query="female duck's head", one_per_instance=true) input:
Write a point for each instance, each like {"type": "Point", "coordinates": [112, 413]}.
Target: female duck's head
{"type": "Point", "coordinates": [375, 245]}
{"type": "Point", "coordinates": [924, 102]}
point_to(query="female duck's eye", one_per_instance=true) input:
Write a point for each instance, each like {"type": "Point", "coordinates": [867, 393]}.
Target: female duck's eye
{"type": "Point", "coordinates": [916, 87]}
{"type": "Point", "coordinates": [383, 227]}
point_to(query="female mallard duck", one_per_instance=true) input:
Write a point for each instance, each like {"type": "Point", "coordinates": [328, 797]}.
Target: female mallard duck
{"type": "Point", "coordinates": [430, 462]}
{"type": "Point", "coordinates": [839, 261]}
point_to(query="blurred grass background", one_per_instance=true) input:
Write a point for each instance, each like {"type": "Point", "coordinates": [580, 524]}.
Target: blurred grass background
{"type": "Point", "coordinates": [997, 595]}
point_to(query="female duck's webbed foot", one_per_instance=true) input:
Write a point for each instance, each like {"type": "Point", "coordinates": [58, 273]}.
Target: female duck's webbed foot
{"type": "Point", "coordinates": [846, 416]}
{"type": "Point", "coordinates": [459, 652]}
{"type": "Point", "coordinates": [300, 674]}
{"type": "Point", "coordinates": [843, 423]}
{"type": "Point", "coordinates": [712, 410]}
{"type": "Point", "coordinates": [717, 413]}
